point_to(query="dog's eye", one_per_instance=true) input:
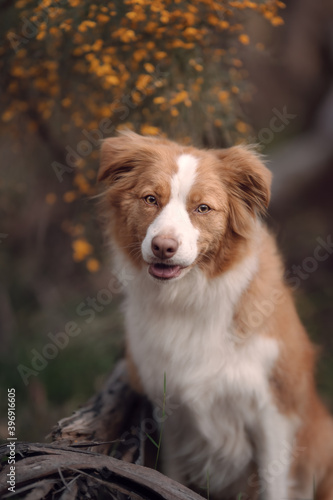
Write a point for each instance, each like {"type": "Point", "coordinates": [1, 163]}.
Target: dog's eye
{"type": "Point", "coordinates": [203, 209]}
{"type": "Point", "coordinates": [150, 200]}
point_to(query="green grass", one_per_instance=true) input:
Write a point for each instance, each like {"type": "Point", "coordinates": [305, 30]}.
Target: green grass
{"type": "Point", "coordinates": [158, 445]}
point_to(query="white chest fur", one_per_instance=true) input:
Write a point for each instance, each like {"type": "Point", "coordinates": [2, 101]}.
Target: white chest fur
{"type": "Point", "coordinates": [218, 384]}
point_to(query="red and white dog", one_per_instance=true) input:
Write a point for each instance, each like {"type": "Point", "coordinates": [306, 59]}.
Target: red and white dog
{"type": "Point", "coordinates": [209, 307]}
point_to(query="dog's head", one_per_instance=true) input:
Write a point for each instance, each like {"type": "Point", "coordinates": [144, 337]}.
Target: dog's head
{"type": "Point", "coordinates": [171, 208]}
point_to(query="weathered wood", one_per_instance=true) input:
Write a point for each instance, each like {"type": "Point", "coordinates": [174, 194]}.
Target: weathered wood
{"type": "Point", "coordinates": [105, 417]}
{"type": "Point", "coordinates": [112, 422]}
{"type": "Point", "coordinates": [51, 471]}
{"type": "Point", "coordinates": [77, 464]}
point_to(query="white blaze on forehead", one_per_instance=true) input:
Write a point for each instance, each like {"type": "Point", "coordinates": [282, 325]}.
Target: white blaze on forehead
{"type": "Point", "coordinates": [183, 180]}
{"type": "Point", "coordinates": [174, 220]}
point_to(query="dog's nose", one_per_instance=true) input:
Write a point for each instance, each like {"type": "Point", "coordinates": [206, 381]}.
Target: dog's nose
{"type": "Point", "coordinates": [164, 248]}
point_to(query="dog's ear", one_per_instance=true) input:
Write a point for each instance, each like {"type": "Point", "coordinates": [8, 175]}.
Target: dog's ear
{"type": "Point", "coordinates": [115, 159]}
{"type": "Point", "coordinates": [248, 184]}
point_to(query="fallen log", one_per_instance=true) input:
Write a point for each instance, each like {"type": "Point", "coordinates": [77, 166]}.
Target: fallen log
{"type": "Point", "coordinates": [100, 452]}
{"type": "Point", "coordinates": [66, 473]}
{"type": "Point", "coordinates": [106, 416]}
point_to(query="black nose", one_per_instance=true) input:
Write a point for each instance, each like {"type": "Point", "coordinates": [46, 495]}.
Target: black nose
{"type": "Point", "coordinates": [164, 248]}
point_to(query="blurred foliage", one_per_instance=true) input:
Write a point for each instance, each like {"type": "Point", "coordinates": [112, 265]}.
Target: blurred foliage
{"type": "Point", "coordinates": [155, 58]}
{"type": "Point", "coordinates": [80, 70]}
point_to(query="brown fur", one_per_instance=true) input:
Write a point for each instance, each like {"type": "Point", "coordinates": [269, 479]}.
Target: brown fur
{"type": "Point", "coordinates": [128, 165]}
{"type": "Point", "coordinates": [269, 303]}
{"type": "Point", "coordinates": [235, 184]}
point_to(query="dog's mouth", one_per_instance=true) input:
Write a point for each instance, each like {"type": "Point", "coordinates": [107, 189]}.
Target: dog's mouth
{"type": "Point", "coordinates": [164, 271]}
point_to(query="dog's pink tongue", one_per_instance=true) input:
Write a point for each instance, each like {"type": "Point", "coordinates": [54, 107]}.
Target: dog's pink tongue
{"type": "Point", "coordinates": [166, 272]}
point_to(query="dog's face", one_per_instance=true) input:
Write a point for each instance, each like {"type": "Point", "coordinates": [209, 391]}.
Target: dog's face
{"type": "Point", "coordinates": [171, 208]}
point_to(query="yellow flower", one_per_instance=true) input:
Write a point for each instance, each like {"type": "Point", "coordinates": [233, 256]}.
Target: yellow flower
{"type": "Point", "coordinates": [212, 19]}
{"type": "Point", "coordinates": [237, 62]}
{"type": "Point", "coordinates": [112, 80]}
{"type": "Point", "coordinates": [51, 198]}
{"type": "Point", "coordinates": [143, 81]}
{"type": "Point", "coordinates": [8, 115]}
{"type": "Point", "coordinates": [54, 30]}
{"type": "Point", "coordinates": [277, 21]}
{"type": "Point", "coordinates": [128, 36]}
{"type": "Point", "coordinates": [223, 96]}
{"type": "Point", "coordinates": [91, 24]}
{"type": "Point", "coordinates": [102, 18]}
{"type": "Point", "coordinates": [81, 249]}
{"type": "Point", "coordinates": [86, 24]}
{"type": "Point", "coordinates": [69, 196]}
{"type": "Point", "coordinates": [180, 97]}
{"type": "Point", "coordinates": [81, 183]}
{"type": "Point", "coordinates": [190, 31]}
{"type": "Point", "coordinates": [82, 27]}
{"type": "Point", "coordinates": [136, 97]}
{"type": "Point", "coordinates": [224, 24]}
{"type": "Point", "coordinates": [149, 68]}
{"type": "Point", "coordinates": [241, 127]}
{"type": "Point", "coordinates": [131, 15]}
{"type": "Point", "coordinates": [159, 100]}
{"type": "Point", "coordinates": [149, 130]}
{"type": "Point", "coordinates": [160, 55]}
{"type": "Point", "coordinates": [139, 54]}
{"type": "Point", "coordinates": [244, 39]}
{"type": "Point", "coordinates": [92, 265]}
{"type": "Point", "coordinates": [41, 35]}
{"type": "Point", "coordinates": [66, 102]}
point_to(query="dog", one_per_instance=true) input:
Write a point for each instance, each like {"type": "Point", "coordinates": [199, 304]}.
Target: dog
{"type": "Point", "coordinates": [208, 308]}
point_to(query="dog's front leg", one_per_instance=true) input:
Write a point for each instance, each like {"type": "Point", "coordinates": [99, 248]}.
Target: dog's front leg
{"type": "Point", "coordinates": [274, 438]}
